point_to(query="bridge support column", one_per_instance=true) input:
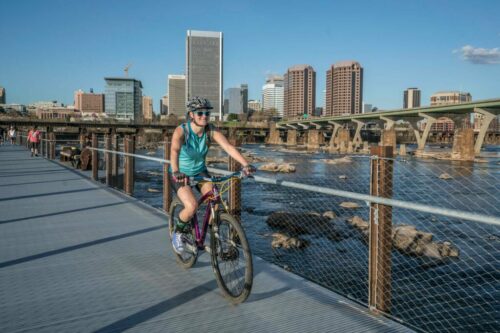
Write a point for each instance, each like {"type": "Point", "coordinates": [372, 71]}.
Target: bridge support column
{"type": "Point", "coordinates": [422, 139]}
{"type": "Point", "coordinates": [107, 145]}
{"type": "Point", "coordinates": [357, 140]}
{"type": "Point", "coordinates": [344, 139]}
{"type": "Point", "coordinates": [313, 139]}
{"type": "Point", "coordinates": [388, 138]}
{"type": "Point", "coordinates": [114, 159]}
{"type": "Point", "coordinates": [336, 126]}
{"type": "Point", "coordinates": [235, 187]}
{"type": "Point", "coordinates": [52, 151]}
{"type": "Point", "coordinates": [274, 136]}
{"type": "Point", "coordinates": [291, 137]}
{"type": "Point", "coordinates": [463, 145]}
{"type": "Point", "coordinates": [95, 158]}
{"type": "Point", "coordinates": [167, 191]}
{"type": "Point", "coordinates": [380, 240]}
{"type": "Point", "coordinates": [485, 120]}
{"type": "Point", "coordinates": [129, 146]}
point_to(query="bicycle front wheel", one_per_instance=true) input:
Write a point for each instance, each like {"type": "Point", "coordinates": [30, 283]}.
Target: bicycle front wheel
{"type": "Point", "coordinates": [231, 258]}
{"type": "Point", "coordinates": [188, 258]}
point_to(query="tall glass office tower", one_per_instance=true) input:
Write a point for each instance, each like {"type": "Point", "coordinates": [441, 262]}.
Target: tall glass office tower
{"type": "Point", "coordinates": [123, 98]}
{"type": "Point", "coordinates": [204, 67]}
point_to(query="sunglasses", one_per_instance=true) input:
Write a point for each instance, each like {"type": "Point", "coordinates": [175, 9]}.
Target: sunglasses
{"type": "Point", "coordinates": [203, 113]}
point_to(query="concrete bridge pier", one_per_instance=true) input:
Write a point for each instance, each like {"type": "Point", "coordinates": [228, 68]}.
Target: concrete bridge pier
{"type": "Point", "coordinates": [357, 140]}
{"type": "Point", "coordinates": [463, 145]}
{"type": "Point", "coordinates": [422, 139]}
{"type": "Point", "coordinates": [486, 119]}
{"type": "Point", "coordinates": [291, 137]}
{"type": "Point", "coordinates": [344, 140]}
{"type": "Point", "coordinates": [333, 139]}
{"type": "Point", "coordinates": [388, 134]}
{"type": "Point", "coordinates": [313, 139]}
{"type": "Point", "coordinates": [274, 136]}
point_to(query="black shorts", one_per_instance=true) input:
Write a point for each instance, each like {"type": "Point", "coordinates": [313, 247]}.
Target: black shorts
{"type": "Point", "coordinates": [176, 186]}
{"type": "Point", "coordinates": [35, 145]}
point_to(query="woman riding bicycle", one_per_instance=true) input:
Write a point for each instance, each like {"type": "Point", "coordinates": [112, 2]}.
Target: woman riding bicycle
{"type": "Point", "coordinates": [188, 153]}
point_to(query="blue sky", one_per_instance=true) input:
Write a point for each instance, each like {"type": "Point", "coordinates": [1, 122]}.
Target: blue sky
{"type": "Point", "coordinates": [50, 48]}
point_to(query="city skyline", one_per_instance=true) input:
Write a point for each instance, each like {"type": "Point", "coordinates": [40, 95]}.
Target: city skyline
{"type": "Point", "coordinates": [45, 60]}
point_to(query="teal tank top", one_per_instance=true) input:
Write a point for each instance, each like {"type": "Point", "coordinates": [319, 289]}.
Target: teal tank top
{"type": "Point", "coordinates": [193, 152]}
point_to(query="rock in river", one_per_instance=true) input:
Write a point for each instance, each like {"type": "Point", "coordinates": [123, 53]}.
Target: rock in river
{"type": "Point", "coordinates": [275, 167]}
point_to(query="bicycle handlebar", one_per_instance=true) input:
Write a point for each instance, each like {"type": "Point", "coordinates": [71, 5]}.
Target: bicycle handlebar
{"type": "Point", "coordinates": [197, 179]}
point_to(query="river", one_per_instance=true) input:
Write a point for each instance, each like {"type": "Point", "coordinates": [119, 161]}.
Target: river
{"type": "Point", "coordinates": [453, 294]}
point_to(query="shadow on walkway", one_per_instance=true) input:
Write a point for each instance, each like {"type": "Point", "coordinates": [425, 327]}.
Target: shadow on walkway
{"type": "Point", "coordinates": [64, 212]}
{"type": "Point", "coordinates": [50, 193]}
{"type": "Point", "coordinates": [79, 246]}
{"type": "Point", "coordinates": [45, 181]}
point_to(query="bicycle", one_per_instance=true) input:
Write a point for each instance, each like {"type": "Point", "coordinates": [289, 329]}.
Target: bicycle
{"type": "Point", "coordinates": [228, 242]}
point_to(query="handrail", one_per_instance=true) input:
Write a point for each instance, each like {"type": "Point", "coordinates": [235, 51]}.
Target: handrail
{"type": "Point", "coordinates": [481, 218]}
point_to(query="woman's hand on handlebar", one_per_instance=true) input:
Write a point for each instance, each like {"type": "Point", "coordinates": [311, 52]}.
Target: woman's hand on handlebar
{"type": "Point", "coordinates": [248, 170]}
{"type": "Point", "coordinates": [179, 177]}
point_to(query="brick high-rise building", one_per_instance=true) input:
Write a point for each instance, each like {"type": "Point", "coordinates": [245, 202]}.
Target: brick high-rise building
{"type": "Point", "coordinates": [411, 98]}
{"type": "Point", "coordinates": [89, 103]}
{"type": "Point", "coordinates": [299, 91]}
{"type": "Point", "coordinates": [344, 89]}
{"type": "Point", "coordinates": [147, 108]}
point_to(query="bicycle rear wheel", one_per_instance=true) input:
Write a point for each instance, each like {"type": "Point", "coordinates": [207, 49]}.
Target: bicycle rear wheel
{"type": "Point", "coordinates": [188, 258]}
{"type": "Point", "coordinates": [231, 258]}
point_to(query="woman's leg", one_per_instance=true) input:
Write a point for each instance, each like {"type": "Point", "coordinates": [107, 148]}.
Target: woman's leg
{"type": "Point", "coordinates": [186, 195]}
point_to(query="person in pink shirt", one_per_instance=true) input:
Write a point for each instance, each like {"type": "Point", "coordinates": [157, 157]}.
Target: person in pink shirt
{"type": "Point", "coordinates": [34, 140]}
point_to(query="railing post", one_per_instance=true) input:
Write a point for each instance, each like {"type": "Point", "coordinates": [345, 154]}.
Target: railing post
{"type": "Point", "coordinates": [235, 187]}
{"type": "Point", "coordinates": [114, 159]}
{"type": "Point", "coordinates": [108, 160]}
{"type": "Point", "coordinates": [167, 191]}
{"type": "Point", "coordinates": [95, 158]}
{"type": "Point", "coordinates": [81, 137]}
{"type": "Point", "coordinates": [380, 239]}
{"type": "Point", "coordinates": [52, 152]}
{"type": "Point", "coordinates": [42, 137]}
{"type": "Point", "coordinates": [129, 165]}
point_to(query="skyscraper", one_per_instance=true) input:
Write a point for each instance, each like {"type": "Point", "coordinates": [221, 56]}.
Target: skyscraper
{"type": "Point", "coordinates": [300, 91]}
{"type": "Point", "coordinates": [254, 106]}
{"type": "Point", "coordinates": [411, 98]}
{"type": "Point", "coordinates": [244, 98]}
{"type": "Point", "coordinates": [204, 67]}
{"type": "Point", "coordinates": [273, 94]}
{"type": "Point", "coordinates": [344, 89]}
{"type": "Point", "coordinates": [164, 105]}
{"type": "Point", "coordinates": [123, 98]}
{"type": "Point", "coordinates": [147, 108]}
{"type": "Point", "coordinates": [232, 101]}
{"type": "Point", "coordinates": [3, 98]}
{"type": "Point", "coordinates": [177, 95]}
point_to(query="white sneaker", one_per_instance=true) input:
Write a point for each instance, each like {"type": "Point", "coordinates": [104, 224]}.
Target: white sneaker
{"type": "Point", "coordinates": [178, 242]}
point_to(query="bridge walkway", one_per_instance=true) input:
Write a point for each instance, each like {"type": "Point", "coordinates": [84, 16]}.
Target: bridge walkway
{"type": "Point", "coordinates": [76, 256]}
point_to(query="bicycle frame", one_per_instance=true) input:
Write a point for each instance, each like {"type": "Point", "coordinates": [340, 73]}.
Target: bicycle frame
{"type": "Point", "coordinates": [212, 197]}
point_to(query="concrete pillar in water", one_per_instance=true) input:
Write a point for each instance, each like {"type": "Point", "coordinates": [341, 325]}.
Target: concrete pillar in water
{"type": "Point", "coordinates": [291, 137]}
{"type": "Point", "coordinates": [313, 139]}
{"type": "Point", "coordinates": [388, 138]}
{"type": "Point", "coordinates": [463, 145]}
{"type": "Point", "coordinates": [274, 136]}
{"type": "Point", "coordinates": [402, 149]}
{"type": "Point", "coordinates": [344, 139]}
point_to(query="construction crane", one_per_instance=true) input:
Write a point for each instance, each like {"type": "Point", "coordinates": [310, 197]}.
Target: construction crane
{"type": "Point", "coordinates": [126, 69]}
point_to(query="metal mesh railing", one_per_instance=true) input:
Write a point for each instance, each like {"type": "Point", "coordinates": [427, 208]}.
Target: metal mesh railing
{"type": "Point", "coordinates": [433, 264]}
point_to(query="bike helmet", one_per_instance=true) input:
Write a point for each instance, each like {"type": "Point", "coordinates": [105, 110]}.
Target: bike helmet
{"type": "Point", "coordinates": [198, 103]}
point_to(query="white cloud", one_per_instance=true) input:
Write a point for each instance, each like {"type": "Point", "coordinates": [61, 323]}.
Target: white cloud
{"type": "Point", "coordinates": [478, 55]}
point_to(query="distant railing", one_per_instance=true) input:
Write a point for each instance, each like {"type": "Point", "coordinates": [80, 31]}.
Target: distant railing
{"type": "Point", "coordinates": [425, 256]}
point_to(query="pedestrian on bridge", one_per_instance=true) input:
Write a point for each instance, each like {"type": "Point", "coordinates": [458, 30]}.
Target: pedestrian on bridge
{"type": "Point", "coordinates": [12, 135]}
{"type": "Point", "coordinates": [2, 135]}
{"type": "Point", "coordinates": [34, 140]}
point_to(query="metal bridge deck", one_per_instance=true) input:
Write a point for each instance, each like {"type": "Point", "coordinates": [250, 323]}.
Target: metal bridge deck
{"type": "Point", "coordinates": [78, 257]}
